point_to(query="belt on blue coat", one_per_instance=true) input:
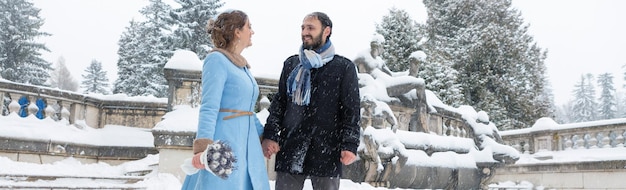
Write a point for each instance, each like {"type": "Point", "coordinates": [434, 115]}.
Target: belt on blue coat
{"type": "Point", "coordinates": [237, 113]}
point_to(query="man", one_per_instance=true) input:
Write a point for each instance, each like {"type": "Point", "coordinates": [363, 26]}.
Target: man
{"type": "Point", "coordinates": [313, 123]}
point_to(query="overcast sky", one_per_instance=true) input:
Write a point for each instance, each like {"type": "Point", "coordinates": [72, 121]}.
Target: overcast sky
{"type": "Point", "coordinates": [581, 36]}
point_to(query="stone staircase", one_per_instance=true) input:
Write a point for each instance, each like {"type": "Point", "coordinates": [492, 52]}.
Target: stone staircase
{"type": "Point", "coordinates": [129, 181]}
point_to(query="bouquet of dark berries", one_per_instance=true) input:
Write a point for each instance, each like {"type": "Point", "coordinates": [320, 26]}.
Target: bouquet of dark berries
{"type": "Point", "coordinates": [218, 158]}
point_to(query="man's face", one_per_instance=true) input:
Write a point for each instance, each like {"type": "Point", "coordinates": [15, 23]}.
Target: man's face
{"type": "Point", "coordinates": [312, 33]}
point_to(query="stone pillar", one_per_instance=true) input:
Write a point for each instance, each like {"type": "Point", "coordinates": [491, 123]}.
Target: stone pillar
{"type": "Point", "coordinates": [65, 112]}
{"type": "Point", "coordinates": [32, 106]}
{"type": "Point", "coordinates": [2, 106]}
{"type": "Point", "coordinates": [49, 110]}
{"type": "Point", "coordinates": [14, 106]}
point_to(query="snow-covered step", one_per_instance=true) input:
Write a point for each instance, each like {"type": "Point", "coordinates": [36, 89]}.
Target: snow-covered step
{"type": "Point", "coordinates": [17, 181]}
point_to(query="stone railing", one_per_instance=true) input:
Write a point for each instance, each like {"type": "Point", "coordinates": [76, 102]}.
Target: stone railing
{"type": "Point", "coordinates": [78, 110]}
{"type": "Point", "coordinates": [550, 136]}
{"type": "Point", "coordinates": [61, 105]}
{"type": "Point", "coordinates": [442, 122]}
{"type": "Point", "coordinates": [546, 138]}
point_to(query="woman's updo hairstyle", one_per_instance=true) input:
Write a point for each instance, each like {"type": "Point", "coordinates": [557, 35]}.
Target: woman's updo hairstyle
{"type": "Point", "coordinates": [222, 27]}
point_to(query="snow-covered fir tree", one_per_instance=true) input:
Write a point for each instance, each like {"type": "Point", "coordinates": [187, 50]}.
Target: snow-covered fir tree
{"type": "Point", "coordinates": [61, 77]}
{"type": "Point", "coordinates": [584, 104]}
{"type": "Point", "coordinates": [562, 113]}
{"type": "Point", "coordinates": [402, 37]}
{"type": "Point", "coordinates": [95, 80]}
{"type": "Point", "coordinates": [20, 56]}
{"type": "Point", "coordinates": [501, 69]}
{"type": "Point", "coordinates": [442, 80]}
{"type": "Point", "coordinates": [128, 73]}
{"type": "Point", "coordinates": [621, 97]}
{"type": "Point", "coordinates": [191, 20]}
{"type": "Point", "coordinates": [144, 48]}
{"type": "Point", "coordinates": [607, 103]}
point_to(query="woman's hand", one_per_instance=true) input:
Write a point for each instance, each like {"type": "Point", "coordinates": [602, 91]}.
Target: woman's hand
{"type": "Point", "coordinates": [195, 161]}
{"type": "Point", "coordinates": [269, 147]}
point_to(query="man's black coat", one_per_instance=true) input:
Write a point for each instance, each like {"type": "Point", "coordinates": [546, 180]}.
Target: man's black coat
{"type": "Point", "coordinates": [312, 137]}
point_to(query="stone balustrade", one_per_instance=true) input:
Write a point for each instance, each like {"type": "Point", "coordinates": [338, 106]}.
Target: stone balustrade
{"type": "Point", "coordinates": [551, 136]}
{"type": "Point", "coordinates": [78, 110]}
{"type": "Point", "coordinates": [547, 138]}
{"type": "Point", "coordinates": [66, 106]}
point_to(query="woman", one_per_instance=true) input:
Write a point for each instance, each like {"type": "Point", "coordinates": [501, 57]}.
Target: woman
{"type": "Point", "coordinates": [229, 94]}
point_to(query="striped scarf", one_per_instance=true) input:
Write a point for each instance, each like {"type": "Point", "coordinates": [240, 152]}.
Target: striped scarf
{"type": "Point", "coordinates": [299, 81]}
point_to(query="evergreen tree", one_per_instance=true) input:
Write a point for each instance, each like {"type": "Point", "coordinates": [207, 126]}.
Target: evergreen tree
{"type": "Point", "coordinates": [501, 70]}
{"type": "Point", "coordinates": [441, 80]}
{"type": "Point", "coordinates": [62, 78]}
{"type": "Point", "coordinates": [144, 49]}
{"type": "Point", "coordinates": [95, 81]}
{"type": "Point", "coordinates": [584, 104]}
{"type": "Point", "coordinates": [620, 98]}
{"type": "Point", "coordinates": [191, 20]}
{"type": "Point", "coordinates": [20, 59]}
{"type": "Point", "coordinates": [607, 106]}
{"type": "Point", "coordinates": [562, 113]}
{"type": "Point", "coordinates": [127, 80]}
{"type": "Point", "coordinates": [402, 37]}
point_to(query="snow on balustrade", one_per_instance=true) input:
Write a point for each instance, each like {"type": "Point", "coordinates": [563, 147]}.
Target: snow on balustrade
{"type": "Point", "coordinates": [548, 135]}
{"type": "Point", "coordinates": [68, 107]}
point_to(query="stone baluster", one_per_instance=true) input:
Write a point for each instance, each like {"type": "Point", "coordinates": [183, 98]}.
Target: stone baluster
{"type": "Point", "coordinates": [603, 140]}
{"type": "Point", "coordinates": [14, 106]}
{"type": "Point", "coordinates": [2, 106]}
{"type": "Point", "coordinates": [65, 112]}
{"type": "Point", "coordinates": [612, 138]}
{"type": "Point", "coordinates": [32, 106]}
{"type": "Point", "coordinates": [50, 111]}
{"type": "Point", "coordinates": [592, 141]}
{"type": "Point", "coordinates": [578, 142]}
{"type": "Point", "coordinates": [463, 133]}
{"type": "Point", "coordinates": [567, 142]}
{"type": "Point", "coordinates": [526, 147]}
{"type": "Point", "coordinates": [621, 139]}
{"type": "Point", "coordinates": [561, 143]}
{"type": "Point", "coordinates": [452, 131]}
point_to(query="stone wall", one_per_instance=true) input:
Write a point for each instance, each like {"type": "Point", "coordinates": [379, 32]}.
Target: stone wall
{"type": "Point", "coordinates": [578, 175]}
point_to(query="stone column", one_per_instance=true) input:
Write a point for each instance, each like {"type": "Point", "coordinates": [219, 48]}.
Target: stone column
{"type": "Point", "coordinates": [65, 111]}
{"type": "Point", "coordinates": [2, 106]}
{"type": "Point", "coordinates": [14, 106]}
{"type": "Point", "coordinates": [49, 110]}
{"type": "Point", "coordinates": [32, 106]}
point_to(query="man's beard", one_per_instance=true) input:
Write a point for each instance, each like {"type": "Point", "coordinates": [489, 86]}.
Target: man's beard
{"type": "Point", "coordinates": [316, 43]}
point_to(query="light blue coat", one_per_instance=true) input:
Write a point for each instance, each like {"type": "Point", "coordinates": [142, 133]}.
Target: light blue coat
{"type": "Point", "coordinates": [227, 86]}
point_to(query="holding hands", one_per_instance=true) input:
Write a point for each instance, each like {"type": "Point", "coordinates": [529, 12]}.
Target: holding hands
{"type": "Point", "coordinates": [270, 147]}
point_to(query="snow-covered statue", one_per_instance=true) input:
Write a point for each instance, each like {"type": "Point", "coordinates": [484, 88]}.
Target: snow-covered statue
{"type": "Point", "coordinates": [377, 154]}
{"type": "Point", "coordinates": [415, 60]}
{"type": "Point", "coordinates": [377, 114]}
{"type": "Point", "coordinates": [374, 75]}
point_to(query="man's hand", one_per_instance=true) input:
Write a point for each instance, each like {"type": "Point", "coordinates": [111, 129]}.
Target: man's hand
{"type": "Point", "coordinates": [195, 161]}
{"type": "Point", "coordinates": [269, 147]}
{"type": "Point", "coordinates": [347, 157]}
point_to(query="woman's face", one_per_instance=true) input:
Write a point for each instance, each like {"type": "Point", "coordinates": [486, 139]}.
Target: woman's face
{"type": "Point", "coordinates": [246, 34]}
